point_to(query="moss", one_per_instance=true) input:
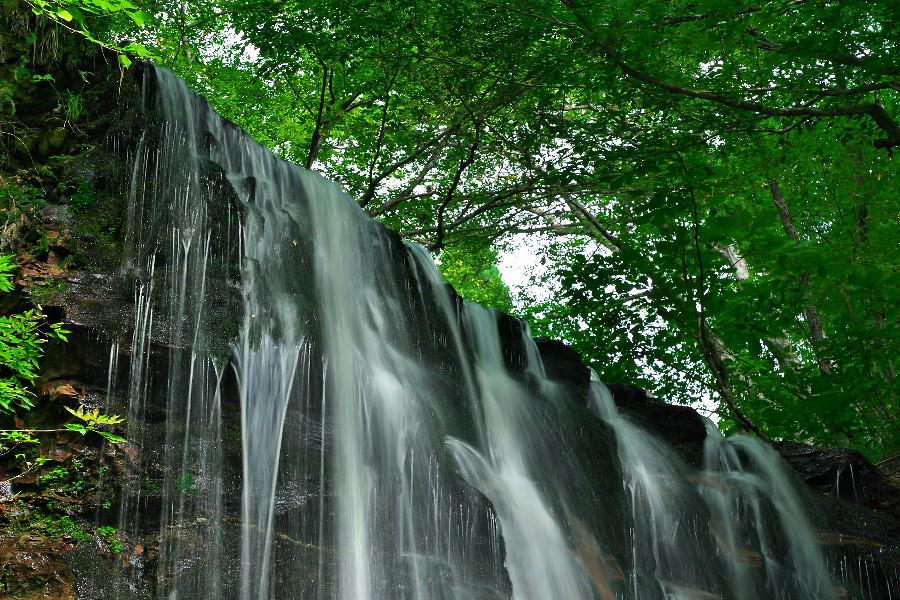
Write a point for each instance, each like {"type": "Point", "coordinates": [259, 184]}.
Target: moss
{"type": "Point", "coordinates": [48, 291]}
{"type": "Point", "coordinates": [64, 526]}
{"type": "Point", "coordinates": [64, 480]}
{"type": "Point", "coordinates": [109, 537]}
{"type": "Point", "coordinates": [95, 227]}
{"type": "Point", "coordinates": [82, 197]}
{"type": "Point", "coordinates": [31, 521]}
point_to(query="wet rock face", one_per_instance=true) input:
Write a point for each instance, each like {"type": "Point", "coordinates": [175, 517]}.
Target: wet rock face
{"type": "Point", "coordinates": [857, 508]}
{"type": "Point", "coordinates": [680, 426]}
{"type": "Point", "coordinates": [563, 364]}
{"type": "Point", "coordinates": [34, 567]}
{"type": "Point", "coordinates": [843, 474]}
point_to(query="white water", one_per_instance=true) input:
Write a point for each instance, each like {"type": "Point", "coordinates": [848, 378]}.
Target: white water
{"type": "Point", "coordinates": [738, 530]}
{"type": "Point", "coordinates": [394, 443]}
{"type": "Point", "coordinates": [752, 485]}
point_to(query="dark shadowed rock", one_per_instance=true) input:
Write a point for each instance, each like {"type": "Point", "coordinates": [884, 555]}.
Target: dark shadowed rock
{"type": "Point", "coordinates": [563, 363]}
{"type": "Point", "coordinates": [844, 474]}
{"type": "Point", "coordinates": [680, 426]}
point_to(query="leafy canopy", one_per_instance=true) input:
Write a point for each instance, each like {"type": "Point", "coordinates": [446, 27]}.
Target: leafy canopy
{"type": "Point", "coordinates": [715, 178]}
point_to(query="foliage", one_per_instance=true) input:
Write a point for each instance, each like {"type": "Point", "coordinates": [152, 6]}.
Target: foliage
{"type": "Point", "coordinates": [56, 527]}
{"type": "Point", "coordinates": [22, 337]}
{"type": "Point", "coordinates": [64, 480]}
{"type": "Point", "coordinates": [13, 197]}
{"type": "Point", "coordinates": [20, 205]}
{"type": "Point", "coordinates": [96, 20]}
{"type": "Point", "coordinates": [107, 533]}
{"type": "Point", "coordinates": [471, 268]}
{"type": "Point", "coordinates": [7, 268]}
{"type": "Point", "coordinates": [717, 177]}
{"type": "Point", "coordinates": [93, 421]}
{"type": "Point", "coordinates": [82, 197]}
{"type": "Point", "coordinates": [13, 440]}
{"type": "Point", "coordinates": [72, 105]}
{"type": "Point", "coordinates": [185, 483]}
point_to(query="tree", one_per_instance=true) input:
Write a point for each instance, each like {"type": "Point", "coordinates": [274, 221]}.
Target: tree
{"type": "Point", "coordinates": [470, 266]}
{"type": "Point", "coordinates": [718, 175]}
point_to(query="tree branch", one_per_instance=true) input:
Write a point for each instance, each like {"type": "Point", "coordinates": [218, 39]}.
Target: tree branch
{"type": "Point", "coordinates": [465, 164]}
{"type": "Point", "coordinates": [871, 109]}
{"type": "Point", "coordinates": [810, 312]}
{"type": "Point", "coordinates": [316, 141]}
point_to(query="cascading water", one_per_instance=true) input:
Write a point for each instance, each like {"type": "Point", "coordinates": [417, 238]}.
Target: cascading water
{"type": "Point", "coordinates": [739, 531]}
{"type": "Point", "coordinates": [754, 504]}
{"type": "Point", "coordinates": [338, 425]}
{"type": "Point", "coordinates": [669, 556]}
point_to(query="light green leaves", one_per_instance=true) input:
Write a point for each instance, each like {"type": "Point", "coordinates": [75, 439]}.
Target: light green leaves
{"type": "Point", "coordinates": [22, 339]}
{"type": "Point", "coordinates": [471, 268]}
{"type": "Point", "coordinates": [94, 421]}
{"type": "Point", "coordinates": [89, 17]}
{"type": "Point", "coordinates": [140, 18]}
{"type": "Point", "coordinates": [14, 394]}
{"type": "Point", "coordinates": [76, 427]}
{"type": "Point", "coordinates": [94, 417]}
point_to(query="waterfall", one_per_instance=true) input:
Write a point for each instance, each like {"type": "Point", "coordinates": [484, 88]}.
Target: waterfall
{"type": "Point", "coordinates": [339, 425]}
{"type": "Point", "coordinates": [738, 531]}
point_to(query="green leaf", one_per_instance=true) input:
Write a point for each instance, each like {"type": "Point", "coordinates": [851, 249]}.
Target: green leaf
{"type": "Point", "coordinates": [64, 14]}
{"type": "Point", "coordinates": [77, 427]}
{"type": "Point", "coordinates": [140, 17]}
{"type": "Point", "coordinates": [79, 412]}
{"type": "Point", "coordinates": [124, 61]}
{"type": "Point", "coordinates": [138, 50]}
{"type": "Point", "coordinates": [115, 439]}
{"type": "Point", "coordinates": [7, 268]}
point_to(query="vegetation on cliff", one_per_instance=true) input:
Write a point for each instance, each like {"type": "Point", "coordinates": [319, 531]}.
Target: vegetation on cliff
{"type": "Point", "coordinates": [56, 455]}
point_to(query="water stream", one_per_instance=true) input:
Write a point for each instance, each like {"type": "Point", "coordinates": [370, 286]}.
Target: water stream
{"type": "Point", "coordinates": [738, 530]}
{"type": "Point", "coordinates": [337, 424]}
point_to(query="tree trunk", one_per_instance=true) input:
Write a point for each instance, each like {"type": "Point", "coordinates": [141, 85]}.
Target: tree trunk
{"type": "Point", "coordinates": [780, 347]}
{"type": "Point", "coordinates": [810, 312]}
